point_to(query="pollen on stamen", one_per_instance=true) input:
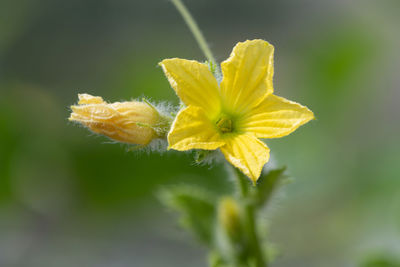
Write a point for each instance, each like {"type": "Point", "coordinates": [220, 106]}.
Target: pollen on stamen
{"type": "Point", "coordinates": [225, 125]}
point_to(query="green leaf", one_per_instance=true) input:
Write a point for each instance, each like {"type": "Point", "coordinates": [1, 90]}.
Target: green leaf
{"type": "Point", "coordinates": [268, 182]}
{"type": "Point", "coordinates": [381, 261]}
{"type": "Point", "coordinates": [196, 207]}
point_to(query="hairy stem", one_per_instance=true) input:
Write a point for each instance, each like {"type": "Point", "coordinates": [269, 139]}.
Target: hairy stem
{"type": "Point", "coordinates": [254, 249]}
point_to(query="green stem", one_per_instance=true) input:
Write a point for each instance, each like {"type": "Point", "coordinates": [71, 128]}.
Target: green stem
{"type": "Point", "coordinates": [194, 28]}
{"type": "Point", "coordinates": [255, 242]}
{"type": "Point", "coordinates": [254, 249]}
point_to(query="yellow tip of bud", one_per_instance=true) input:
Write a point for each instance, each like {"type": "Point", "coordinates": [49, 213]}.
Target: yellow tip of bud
{"type": "Point", "coordinates": [229, 216]}
{"type": "Point", "coordinates": [89, 99]}
{"type": "Point", "coordinates": [130, 122]}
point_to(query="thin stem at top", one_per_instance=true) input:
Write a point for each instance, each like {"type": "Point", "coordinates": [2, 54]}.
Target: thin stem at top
{"type": "Point", "coordinates": [194, 28]}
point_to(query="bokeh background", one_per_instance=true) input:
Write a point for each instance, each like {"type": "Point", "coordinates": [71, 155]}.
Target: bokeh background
{"type": "Point", "coordinates": [70, 198]}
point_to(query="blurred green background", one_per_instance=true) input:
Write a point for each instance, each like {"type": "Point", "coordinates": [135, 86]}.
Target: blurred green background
{"type": "Point", "coordinates": [70, 198]}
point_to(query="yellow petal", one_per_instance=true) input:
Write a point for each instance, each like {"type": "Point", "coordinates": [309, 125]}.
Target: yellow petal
{"type": "Point", "coordinates": [193, 130]}
{"type": "Point", "coordinates": [194, 83]}
{"type": "Point", "coordinates": [89, 99]}
{"type": "Point", "coordinates": [247, 75]}
{"type": "Point", "coordinates": [247, 153]}
{"type": "Point", "coordinates": [276, 117]}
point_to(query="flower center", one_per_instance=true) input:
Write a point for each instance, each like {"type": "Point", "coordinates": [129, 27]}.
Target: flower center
{"type": "Point", "coordinates": [225, 125]}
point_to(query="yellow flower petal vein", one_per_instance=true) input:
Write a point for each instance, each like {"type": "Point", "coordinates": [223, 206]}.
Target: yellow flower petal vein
{"type": "Point", "coordinates": [276, 117]}
{"type": "Point", "coordinates": [246, 153]}
{"type": "Point", "coordinates": [194, 83]}
{"type": "Point", "coordinates": [192, 129]}
{"type": "Point", "coordinates": [247, 75]}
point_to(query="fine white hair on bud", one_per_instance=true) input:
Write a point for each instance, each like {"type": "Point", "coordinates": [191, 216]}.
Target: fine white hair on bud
{"type": "Point", "coordinates": [159, 145]}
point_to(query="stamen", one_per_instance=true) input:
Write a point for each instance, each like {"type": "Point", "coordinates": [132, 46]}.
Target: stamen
{"type": "Point", "coordinates": [225, 125]}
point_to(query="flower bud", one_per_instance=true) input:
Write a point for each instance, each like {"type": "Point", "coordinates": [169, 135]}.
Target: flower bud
{"type": "Point", "coordinates": [229, 217]}
{"type": "Point", "coordinates": [131, 122]}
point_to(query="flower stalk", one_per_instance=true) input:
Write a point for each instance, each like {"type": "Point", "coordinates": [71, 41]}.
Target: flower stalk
{"type": "Point", "coordinates": [254, 250]}
{"type": "Point", "coordinates": [198, 35]}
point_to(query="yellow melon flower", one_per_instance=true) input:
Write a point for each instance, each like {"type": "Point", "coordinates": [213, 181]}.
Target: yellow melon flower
{"type": "Point", "coordinates": [232, 115]}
